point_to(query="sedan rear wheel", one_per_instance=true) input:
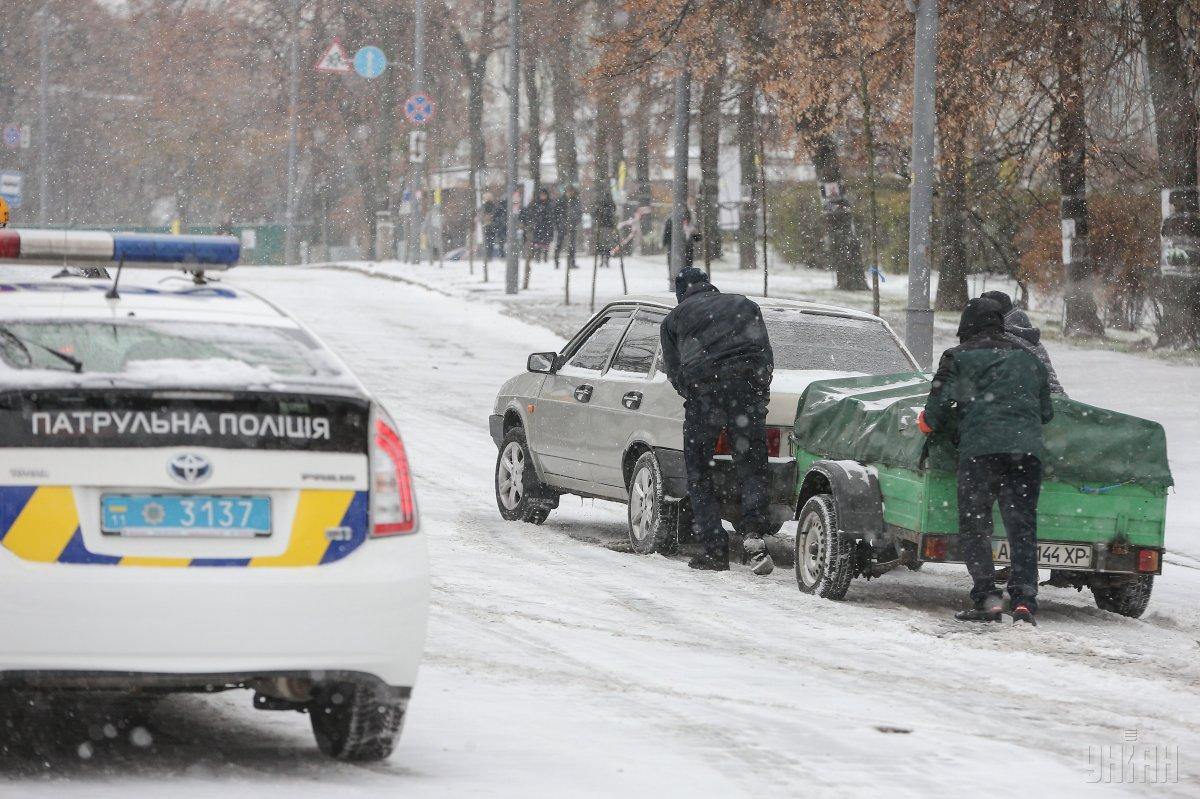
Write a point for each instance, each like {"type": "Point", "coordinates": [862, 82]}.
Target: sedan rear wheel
{"type": "Point", "coordinates": [651, 516]}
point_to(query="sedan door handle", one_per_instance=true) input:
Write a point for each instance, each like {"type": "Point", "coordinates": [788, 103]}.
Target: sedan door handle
{"type": "Point", "coordinates": [583, 393]}
{"type": "Point", "coordinates": [632, 400]}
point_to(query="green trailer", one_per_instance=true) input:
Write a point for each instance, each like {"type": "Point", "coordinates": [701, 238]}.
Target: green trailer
{"type": "Point", "coordinates": [876, 494]}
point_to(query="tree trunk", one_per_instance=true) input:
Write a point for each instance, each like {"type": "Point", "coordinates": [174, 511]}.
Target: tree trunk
{"type": "Point", "coordinates": [1082, 318]}
{"type": "Point", "coordinates": [707, 207]}
{"type": "Point", "coordinates": [844, 247]}
{"type": "Point", "coordinates": [563, 96]}
{"type": "Point", "coordinates": [746, 137]}
{"type": "Point", "coordinates": [1175, 121]}
{"type": "Point", "coordinates": [534, 99]}
{"type": "Point", "coordinates": [642, 162]}
{"type": "Point", "coordinates": [952, 290]}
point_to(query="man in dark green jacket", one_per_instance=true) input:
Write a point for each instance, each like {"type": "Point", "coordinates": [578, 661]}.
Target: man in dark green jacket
{"type": "Point", "coordinates": [996, 395]}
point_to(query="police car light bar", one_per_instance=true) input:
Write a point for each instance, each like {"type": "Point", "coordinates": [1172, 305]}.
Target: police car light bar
{"type": "Point", "coordinates": [145, 250]}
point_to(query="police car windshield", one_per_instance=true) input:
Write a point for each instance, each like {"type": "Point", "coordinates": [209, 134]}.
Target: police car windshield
{"type": "Point", "coordinates": [813, 341]}
{"type": "Point", "coordinates": [173, 352]}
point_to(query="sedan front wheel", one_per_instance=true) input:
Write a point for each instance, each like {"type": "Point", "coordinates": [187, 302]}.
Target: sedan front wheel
{"type": "Point", "coordinates": [520, 496]}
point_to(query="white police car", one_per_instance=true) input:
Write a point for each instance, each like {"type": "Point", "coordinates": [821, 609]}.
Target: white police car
{"type": "Point", "coordinates": [196, 494]}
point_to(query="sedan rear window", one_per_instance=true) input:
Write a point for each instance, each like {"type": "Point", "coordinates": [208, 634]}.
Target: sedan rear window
{"type": "Point", "coordinates": [168, 350]}
{"type": "Point", "coordinates": [813, 341]}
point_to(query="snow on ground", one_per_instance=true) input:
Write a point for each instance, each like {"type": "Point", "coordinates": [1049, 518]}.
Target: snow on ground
{"type": "Point", "coordinates": [557, 667]}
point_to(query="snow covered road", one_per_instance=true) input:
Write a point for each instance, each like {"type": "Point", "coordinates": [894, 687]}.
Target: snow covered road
{"type": "Point", "coordinates": [559, 668]}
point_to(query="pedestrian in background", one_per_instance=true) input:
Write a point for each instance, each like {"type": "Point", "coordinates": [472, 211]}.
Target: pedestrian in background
{"type": "Point", "coordinates": [998, 393]}
{"type": "Point", "coordinates": [604, 226]}
{"type": "Point", "coordinates": [691, 237]}
{"type": "Point", "coordinates": [568, 215]}
{"type": "Point", "coordinates": [537, 219]}
{"type": "Point", "coordinates": [716, 353]}
{"type": "Point", "coordinates": [499, 224]}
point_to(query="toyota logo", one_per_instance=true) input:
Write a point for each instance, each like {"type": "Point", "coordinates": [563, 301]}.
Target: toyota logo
{"type": "Point", "coordinates": [189, 468]}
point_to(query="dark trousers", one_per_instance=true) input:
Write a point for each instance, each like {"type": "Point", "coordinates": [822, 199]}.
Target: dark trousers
{"type": "Point", "coordinates": [1015, 481]}
{"type": "Point", "coordinates": [566, 237]}
{"type": "Point", "coordinates": [738, 406]}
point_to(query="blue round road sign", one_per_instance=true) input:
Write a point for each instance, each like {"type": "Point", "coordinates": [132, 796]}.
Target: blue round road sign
{"type": "Point", "coordinates": [12, 136]}
{"type": "Point", "coordinates": [370, 62]}
{"type": "Point", "coordinates": [419, 109]}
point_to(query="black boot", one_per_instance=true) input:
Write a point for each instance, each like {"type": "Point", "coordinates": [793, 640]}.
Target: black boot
{"type": "Point", "coordinates": [1022, 613]}
{"type": "Point", "coordinates": [710, 561]}
{"type": "Point", "coordinates": [988, 610]}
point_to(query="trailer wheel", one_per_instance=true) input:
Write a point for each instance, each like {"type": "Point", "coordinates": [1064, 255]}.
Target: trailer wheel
{"type": "Point", "coordinates": [1128, 599]}
{"type": "Point", "coordinates": [824, 556]}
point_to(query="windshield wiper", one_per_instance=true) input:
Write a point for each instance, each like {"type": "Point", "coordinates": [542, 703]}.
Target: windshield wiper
{"type": "Point", "coordinates": [75, 363]}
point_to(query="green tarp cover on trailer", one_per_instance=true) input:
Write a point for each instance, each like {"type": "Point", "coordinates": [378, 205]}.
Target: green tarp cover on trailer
{"type": "Point", "coordinates": [873, 420]}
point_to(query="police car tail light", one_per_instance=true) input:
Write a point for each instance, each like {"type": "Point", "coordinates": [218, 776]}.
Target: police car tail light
{"type": "Point", "coordinates": [393, 506]}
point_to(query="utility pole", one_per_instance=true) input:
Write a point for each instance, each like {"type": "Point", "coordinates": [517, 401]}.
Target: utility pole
{"type": "Point", "coordinates": [418, 86]}
{"type": "Point", "coordinates": [44, 116]}
{"type": "Point", "coordinates": [679, 184]}
{"type": "Point", "coordinates": [918, 320]}
{"type": "Point", "coordinates": [512, 266]}
{"type": "Point", "coordinates": [289, 240]}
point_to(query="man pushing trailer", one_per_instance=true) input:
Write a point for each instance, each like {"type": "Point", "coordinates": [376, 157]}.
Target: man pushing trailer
{"type": "Point", "coordinates": [998, 392]}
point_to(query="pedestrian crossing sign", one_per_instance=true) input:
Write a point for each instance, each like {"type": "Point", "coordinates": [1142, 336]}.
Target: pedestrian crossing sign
{"type": "Point", "coordinates": [335, 60]}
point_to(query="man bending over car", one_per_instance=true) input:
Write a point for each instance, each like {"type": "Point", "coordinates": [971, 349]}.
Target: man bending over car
{"type": "Point", "coordinates": [998, 392]}
{"type": "Point", "coordinates": [717, 356]}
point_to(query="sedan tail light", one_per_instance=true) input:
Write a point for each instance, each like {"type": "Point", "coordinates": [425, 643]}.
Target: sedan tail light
{"type": "Point", "coordinates": [774, 440]}
{"type": "Point", "coordinates": [393, 504]}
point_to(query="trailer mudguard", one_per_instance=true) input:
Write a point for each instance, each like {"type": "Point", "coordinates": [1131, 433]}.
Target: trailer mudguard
{"type": "Point", "coordinates": [856, 494]}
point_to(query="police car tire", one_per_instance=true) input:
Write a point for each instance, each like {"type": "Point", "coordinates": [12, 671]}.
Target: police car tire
{"type": "Point", "coordinates": [356, 722]}
{"type": "Point", "coordinates": [831, 578]}
{"type": "Point", "coordinates": [663, 513]}
{"type": "Point", "coordinates": [1128, 599]}
{"type": "Point", "coordinates": [536, 501]}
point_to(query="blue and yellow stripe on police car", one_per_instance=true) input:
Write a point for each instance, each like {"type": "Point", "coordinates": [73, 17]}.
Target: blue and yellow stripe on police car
{"type": "Point", "coordinates": [41, 524]}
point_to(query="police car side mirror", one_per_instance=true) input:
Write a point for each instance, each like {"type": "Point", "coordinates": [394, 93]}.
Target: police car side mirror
{"type": "Point", "coordinates": [542, 363]}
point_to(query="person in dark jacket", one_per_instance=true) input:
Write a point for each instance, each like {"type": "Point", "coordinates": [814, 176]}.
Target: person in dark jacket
{"type": "Point", "coordinates": [568, 215]}
{"type": "Point", "coordinates": [538, 220]}
{"type": "Point", "coordinates": [493, 236]}
{"type": "Point", "coordinates": [1020, 329]}
{"type": "Point", "coordinates": [717, 355]}
{"type": "Point", "coordinates": [604, 226]}
{"type": "Point", "coordinates": [996, 394]}
{"type": "Point", "coordinates": [689, 244]}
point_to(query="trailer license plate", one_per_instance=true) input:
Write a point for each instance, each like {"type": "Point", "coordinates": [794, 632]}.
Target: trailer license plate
{"type": "Point", "coordinates": [185, 515]}
{"type": "Point", "coordinates": [1050, 556]}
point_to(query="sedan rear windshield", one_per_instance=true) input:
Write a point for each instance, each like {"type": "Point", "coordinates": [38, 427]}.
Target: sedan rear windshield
{"type": "Point", "coordinates": [813, 341]}
{"type": "Point", "coordinates": [166, 352]}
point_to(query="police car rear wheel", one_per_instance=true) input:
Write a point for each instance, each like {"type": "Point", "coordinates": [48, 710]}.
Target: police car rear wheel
{"type": "Point", "coordinates": [824, 557]}
{"type": "Point", "coordinates": [520, 496]}
{"type": "Point", "coordinates": [355, 722]}
{"type": "Point", "coordinates": [651, 517]}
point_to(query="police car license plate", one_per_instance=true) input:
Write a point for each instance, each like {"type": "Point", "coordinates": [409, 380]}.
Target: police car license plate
{"type": "Point", "coordinates": [1050, 556]}
{"type": "Point", "coordinates": [185, 516]}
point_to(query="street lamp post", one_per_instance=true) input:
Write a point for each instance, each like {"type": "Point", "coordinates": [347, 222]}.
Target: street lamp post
{"type": "Point", "coordinates": [418, 86]}
{"type": "Point", "coordinates": [44, 116]}
{"type": "Point", "coordinates": [289, 242]}
{"type": "Point", "coordinates": [679, 184]}
{"type": "Point", "coordinates": [918, 320]}
{"type": "Point", "coordinates": [512, 264]}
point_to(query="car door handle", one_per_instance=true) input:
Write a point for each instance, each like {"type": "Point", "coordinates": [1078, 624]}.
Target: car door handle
{"type": "Point", "coordinates": [632, 400]}
{"type": "Point", "coordinates": [583, 393]}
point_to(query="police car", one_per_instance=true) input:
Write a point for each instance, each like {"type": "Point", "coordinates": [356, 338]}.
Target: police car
{"type": "Point", "coordinates": [197, 495]}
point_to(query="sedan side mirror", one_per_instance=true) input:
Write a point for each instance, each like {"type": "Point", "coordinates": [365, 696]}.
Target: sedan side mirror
{"type": "Point", "coordinates": [542, 362]}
